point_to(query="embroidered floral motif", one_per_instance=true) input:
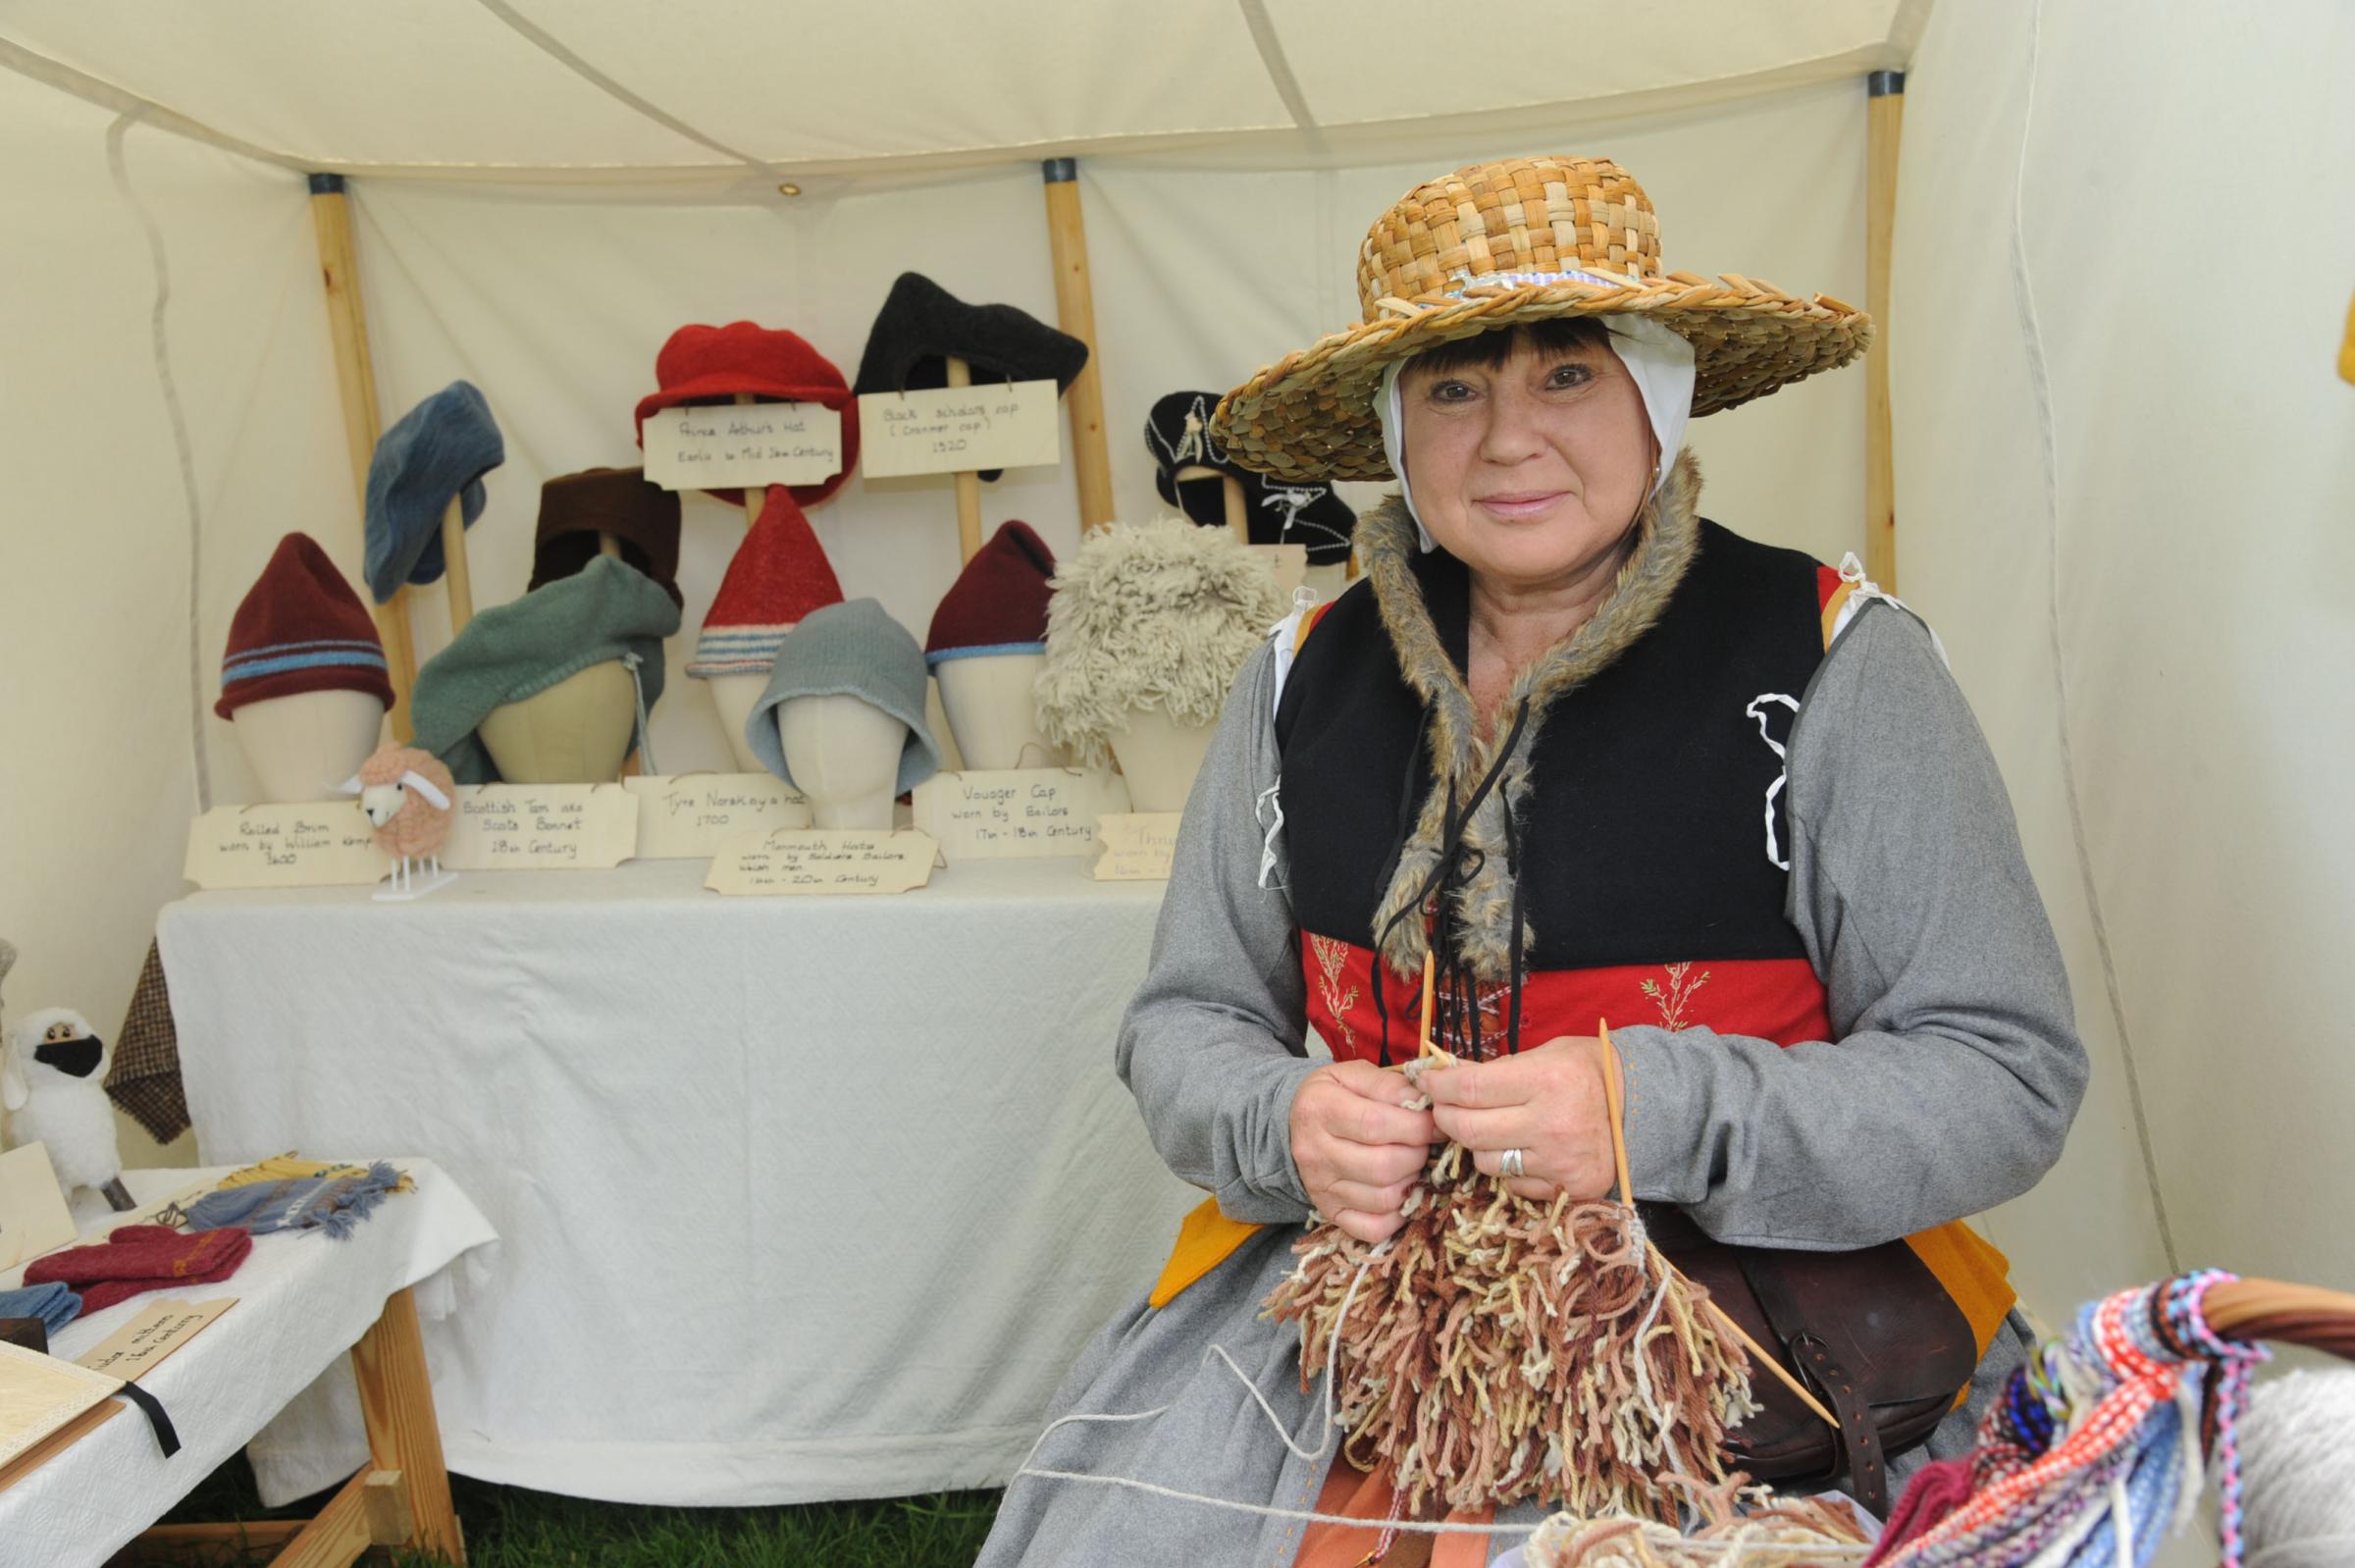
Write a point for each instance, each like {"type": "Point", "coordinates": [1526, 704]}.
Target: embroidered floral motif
{"type": "Point", "coordinates": [1333, 958]}
{"type": "Point", "coordinates": [1455, 1038]}
{"type": "Point", "coordinates": [1682, 983]}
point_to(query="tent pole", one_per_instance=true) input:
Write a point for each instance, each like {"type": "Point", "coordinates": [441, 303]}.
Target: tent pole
{"type": "Point", "coordinates": [1885, 113]}
{"type": "Point", "coordinates": [355, 380]}
{"type": "Point", "coordinates": [1076, 314]}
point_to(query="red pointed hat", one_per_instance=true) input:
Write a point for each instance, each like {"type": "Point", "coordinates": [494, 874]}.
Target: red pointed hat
{"type": "Point", "coordinates": [300, 628]}
{"type": "Point", "coordinates": [716, 364]}
{"type": "Point", "coordinates": [998, 604]}
{"type": "Point", "coordinates": [779, 575]}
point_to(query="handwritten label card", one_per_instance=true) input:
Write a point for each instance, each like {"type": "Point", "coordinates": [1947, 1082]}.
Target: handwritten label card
{"type": "Point", "coordinates": [34, 1217]}
{"type": "Point", "coordinates": [693, 816]}
{"type": "Point", "coordinates": [1138, 846]}
{"type": "Point", "coordinates": [946, 430]}
{"type": "Point", "coordinates": [791, 862]}
{"type": "Point", "coordinates": [725, 446]}
{"type": "Point", "coordinates": [1017, 813]}
{"type": "Point", "coordinates": [328, 844]}
{"type": "Point", "coordinates": [146, 1339]}
{"type": "Point", "coordinates": [521, 827]}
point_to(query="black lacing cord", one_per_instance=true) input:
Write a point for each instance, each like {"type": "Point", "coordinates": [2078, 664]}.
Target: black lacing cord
{"type": "Point", "coordinates": [1398, 835]}
{"type": "Point", "coordinates": [1457, 865]}
{"type": "Point", "coordinates": [1516, 867]}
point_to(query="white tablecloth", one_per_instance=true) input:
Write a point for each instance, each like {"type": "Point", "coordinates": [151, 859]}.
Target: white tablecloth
{"type": "Point", "coordinates": [302, 1301]}
{"type": "Point", "coordinates": [799, 1198]}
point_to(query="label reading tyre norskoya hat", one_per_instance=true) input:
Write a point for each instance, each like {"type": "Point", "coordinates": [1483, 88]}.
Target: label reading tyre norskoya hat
{"type": "Point", "coordinates": [848, 650]}
{"type": "Point", "coordinates": [438, 452]}
{"type": "Point", "coordinates": [1177, 434]}
{"type": "Point", "coordinates": [921, 324]}
{"type": "Point", "coordinates": [300, 628]}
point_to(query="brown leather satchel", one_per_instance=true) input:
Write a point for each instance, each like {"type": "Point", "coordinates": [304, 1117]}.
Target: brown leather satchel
{"type": "Point", "coordinates": [1870, 1333]}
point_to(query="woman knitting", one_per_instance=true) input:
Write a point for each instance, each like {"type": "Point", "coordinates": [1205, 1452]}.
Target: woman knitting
{"type": "Point", "coordinates": [1598, 758]}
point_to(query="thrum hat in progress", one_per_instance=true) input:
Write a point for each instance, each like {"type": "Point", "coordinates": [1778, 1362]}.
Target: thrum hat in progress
{"type": "Point", "coordinates": [1496, 245]}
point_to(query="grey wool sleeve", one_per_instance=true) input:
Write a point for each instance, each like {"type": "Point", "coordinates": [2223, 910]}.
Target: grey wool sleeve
{"type": "Point", "coordinates": [1955, 1068]}
{"type": "Point", "coordinates": [1213, 1044]}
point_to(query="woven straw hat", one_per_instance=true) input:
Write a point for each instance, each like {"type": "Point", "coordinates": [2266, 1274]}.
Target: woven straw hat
{"type": "Point", "coordinates": [1496, 245]}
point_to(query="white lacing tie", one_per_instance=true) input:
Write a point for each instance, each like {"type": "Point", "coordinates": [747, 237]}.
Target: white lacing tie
{"type": "Point", "coordinates": [1774, 850]}
{"type": "Point", "coordinates": [646, 737]}
{"type": "Point", "coordinates": [1863, 589]}
{"type": "Point", "coordinates": [1268, 811]}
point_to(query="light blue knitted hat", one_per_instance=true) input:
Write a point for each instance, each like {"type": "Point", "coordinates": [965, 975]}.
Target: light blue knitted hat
{"type": "Point", "coordinates": [848, 650]}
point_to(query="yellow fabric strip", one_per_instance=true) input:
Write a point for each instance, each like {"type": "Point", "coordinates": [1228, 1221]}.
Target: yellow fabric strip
{"type": "Point", "coordinates": [290, 1168]}
{"type": "Point", "coordinates": [1972, 1272]}
{"type": "Point", "coordinates": [1831, 612]}
{"type": "Point", "coordinates": [1206, 1239]}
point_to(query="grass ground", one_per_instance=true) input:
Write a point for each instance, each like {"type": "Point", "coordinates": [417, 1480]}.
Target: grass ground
{"type": "Point", "coordinates": [508, 1527]}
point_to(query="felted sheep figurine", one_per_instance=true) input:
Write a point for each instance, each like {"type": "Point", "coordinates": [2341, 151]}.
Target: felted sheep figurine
{"type": "Point", "coordinates": [52, 1084]}
{"type": "Point", "coordinates": [408, 796]}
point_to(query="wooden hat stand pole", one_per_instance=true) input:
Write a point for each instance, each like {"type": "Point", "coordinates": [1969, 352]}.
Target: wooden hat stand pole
{"type": "Point", "coordinates": [969, 481]}
{"type": "Point", "coordinates": [755, 497]}
{"type": "Point", "coordinates": [1238, 518]}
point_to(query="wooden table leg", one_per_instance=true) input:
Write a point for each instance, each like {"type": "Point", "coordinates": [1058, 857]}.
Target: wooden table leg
{"type": "Point", "coordinates": [398, 1403]}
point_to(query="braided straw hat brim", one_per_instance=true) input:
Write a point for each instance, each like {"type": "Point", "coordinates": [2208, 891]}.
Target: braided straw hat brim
{"type": "Point", "coordinates": [1310, 415]}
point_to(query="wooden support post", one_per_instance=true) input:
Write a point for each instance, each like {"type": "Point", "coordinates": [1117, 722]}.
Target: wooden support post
{"type": "Point", "coordinates": [397, 1403]}
{"type": "Point", "coordinates": [968, 483]}
{"type": "Point", "coordinates": [1238, 516]}
{"type": "Point", "coordinates": [755, 497]}
{"type": "Point", "coordinates": [355, 380]}
{"type": "Point", "coordinates": [1885, 113]}
{"type": "Point", "coordinates": [337, 1535]}
{"type": "Point", "coordinates": [456, 576]}
{"type": "Point", "coordinates": [1076, 314]}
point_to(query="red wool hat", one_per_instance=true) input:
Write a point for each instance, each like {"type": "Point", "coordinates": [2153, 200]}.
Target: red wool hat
{"type": "Point", "coordinates": [779, 575]}
{"type": "Point", "coordinates": [300, 628]}
{"type": "Point", "coordinates": [716, 364]}
{"type": "Point", "coordinates": [998, 604]}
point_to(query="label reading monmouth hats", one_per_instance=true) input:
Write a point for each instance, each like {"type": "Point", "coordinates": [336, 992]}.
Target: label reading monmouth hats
{"type": "Point", "coordinates": [727, 447]}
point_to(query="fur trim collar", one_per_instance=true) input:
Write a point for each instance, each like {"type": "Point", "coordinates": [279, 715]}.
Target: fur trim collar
{"type": "Point", "coordinates": [1667, 532]}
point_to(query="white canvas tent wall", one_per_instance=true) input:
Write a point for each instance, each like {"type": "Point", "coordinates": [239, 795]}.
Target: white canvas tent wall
{"type": "Point", "coordinates": [543, 191]}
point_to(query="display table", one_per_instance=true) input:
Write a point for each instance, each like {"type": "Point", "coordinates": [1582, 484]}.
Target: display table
{"type": "Point", "coordinates": [302, 1301]}
{"type": "Point", "coordinates": [801, 1198]}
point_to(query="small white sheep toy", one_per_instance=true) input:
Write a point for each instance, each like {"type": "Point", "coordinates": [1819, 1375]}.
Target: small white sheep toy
{"type": "Point", "coordinates": [53, 1087]}
{"type": "Point", "coordinates": [409, 798]}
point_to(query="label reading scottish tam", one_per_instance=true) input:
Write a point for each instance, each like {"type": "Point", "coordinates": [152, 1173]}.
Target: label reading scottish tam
{"type": "Point", "coordinates": [1013, 814]}
{"type": "Point", "coordinates": [525, 828]}
{"type": "Point", "coordinates": [947, 429]}
{"type": "Point", "coordinates": [1138, 846]}
{"type": "Point", "coordinates": [727, 445]}
{"type": "Point", "coordinates": [327, 844]}
{"type": "Point", "coordinates": [787, 863]}
{"type": "Point", "coordinates": [693, 816]}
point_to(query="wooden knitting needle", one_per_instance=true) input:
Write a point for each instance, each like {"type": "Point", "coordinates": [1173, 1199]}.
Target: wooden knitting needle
{"type": "Point", "coordinates": [755, 497]}
{"type": "Point", "coordinates": [968, 483]}
{"type": "Point", "coordinates": [1614, 1097]}
{"type": "Point", "coordinates": [1424, 1047]}
{"type": "Point", "coordinates": [454, 575]}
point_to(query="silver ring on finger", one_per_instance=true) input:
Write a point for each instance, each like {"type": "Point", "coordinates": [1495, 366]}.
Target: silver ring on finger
{"type": "Point", "coordinates": [1509, 1165]}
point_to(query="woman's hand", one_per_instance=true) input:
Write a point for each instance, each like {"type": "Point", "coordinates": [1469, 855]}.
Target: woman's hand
{"type": "Point", "coordinates": [1549, 1103]}
{"type": "Point", "coordinates": [1359, 1149]}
